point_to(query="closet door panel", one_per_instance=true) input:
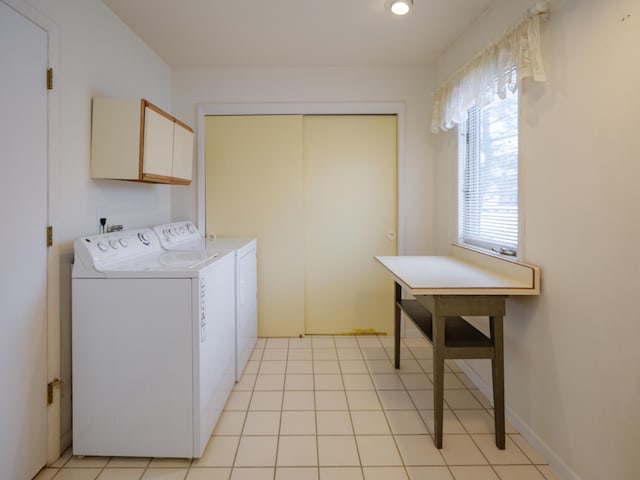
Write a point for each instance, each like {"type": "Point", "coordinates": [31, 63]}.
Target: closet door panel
{"type": "Point", "coordinates": [253, 188]}
{"type": "Point", "coordinates": [350, 216]}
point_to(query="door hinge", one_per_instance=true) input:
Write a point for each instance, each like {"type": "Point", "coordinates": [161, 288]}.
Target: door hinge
{"type": "Point", "coordinates": [49, 236]}
{"type": "Point", "coordinates": [50, 79]}
{"type": "Point", "coordinates": [55, 383]}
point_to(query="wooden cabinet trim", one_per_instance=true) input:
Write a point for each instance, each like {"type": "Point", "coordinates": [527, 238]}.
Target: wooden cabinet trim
{"type": "Point", "coordinates": [180, 181]}
{"type": "Point", "coordinates": [183, 125]}
{"type": "Point", "coordinates": [143, 103]}
{"type": "Point", "coordinates": [153, 178]}
{"type": "Point", "coordinates": [158, 110]}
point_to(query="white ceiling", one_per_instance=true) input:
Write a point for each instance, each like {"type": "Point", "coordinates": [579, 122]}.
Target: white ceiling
{"type": "Point", "coordinates": [296, 33]}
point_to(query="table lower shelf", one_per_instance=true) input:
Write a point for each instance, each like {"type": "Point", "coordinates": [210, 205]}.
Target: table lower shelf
{"type": "Point", "coordinates": [461, 339]}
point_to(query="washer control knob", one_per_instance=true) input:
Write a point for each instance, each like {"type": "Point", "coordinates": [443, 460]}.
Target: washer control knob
{"type": "Point", "coordinates": [113, 243]}
{"type": "Point", "coordinates": [101, 246]}
{"type": "Point", "coordinates": [123, 242]}
{"type": "Point", "coordinates": [144, 238]}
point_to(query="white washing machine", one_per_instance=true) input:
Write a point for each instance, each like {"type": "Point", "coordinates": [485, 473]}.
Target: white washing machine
{"type": "Point", "coordinates": [184, 236]}
{"type": "Point", "coordinates": [153, 339]}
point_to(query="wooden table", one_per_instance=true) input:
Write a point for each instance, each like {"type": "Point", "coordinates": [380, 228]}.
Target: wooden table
{"type": "Point", "coordinates": [445, 289]}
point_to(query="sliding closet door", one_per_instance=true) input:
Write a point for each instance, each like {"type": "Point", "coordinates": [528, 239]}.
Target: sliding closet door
{"type": "Point", "coordinates": [253, 188]}
{"type": "Point", "coordinates": [350, 216]}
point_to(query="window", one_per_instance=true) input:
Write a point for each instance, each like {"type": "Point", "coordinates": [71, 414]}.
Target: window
{"type": "Point", "coordinates": [488, 176]}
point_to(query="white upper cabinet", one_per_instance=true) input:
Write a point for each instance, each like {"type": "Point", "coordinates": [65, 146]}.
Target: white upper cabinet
{"type": "Point", "coordinates": [133, 139]}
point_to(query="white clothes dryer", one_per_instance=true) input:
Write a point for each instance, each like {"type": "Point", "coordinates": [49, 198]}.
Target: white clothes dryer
{"type": "Point", "coordinates": [184, 236]}
{"type": "Point", "coordinates": [153, 335]}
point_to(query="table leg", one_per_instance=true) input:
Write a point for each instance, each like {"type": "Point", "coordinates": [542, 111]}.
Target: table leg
{"type": "Point", "coordinates": [438, 377]}
{"type": "Point", "coordinates": [497, 370]}
{"type": "Point", "coordinates": [396, 328]}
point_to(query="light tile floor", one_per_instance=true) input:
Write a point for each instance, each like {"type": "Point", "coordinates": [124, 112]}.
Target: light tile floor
{"type": "Point", "coordinates": [335, 408]}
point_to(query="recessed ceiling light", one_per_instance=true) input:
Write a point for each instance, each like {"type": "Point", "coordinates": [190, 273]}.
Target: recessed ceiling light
{"type": "Point", "coordinates": [399, 7]}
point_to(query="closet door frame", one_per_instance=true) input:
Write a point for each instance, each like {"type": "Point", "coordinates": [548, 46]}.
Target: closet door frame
{"type": "Point", "coordinates": [355, 108]}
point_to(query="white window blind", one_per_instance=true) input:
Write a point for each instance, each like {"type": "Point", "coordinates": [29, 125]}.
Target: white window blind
{"type": "Point", "coordinates": [488, 203]}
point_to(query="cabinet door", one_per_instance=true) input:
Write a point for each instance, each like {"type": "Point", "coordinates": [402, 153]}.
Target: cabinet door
{"type": "Point", "coordinates": [182, 154]}
{"type": "Point", "coordinates": [115, 138]}
{"type": "Point", "coordinates": [157, 157]}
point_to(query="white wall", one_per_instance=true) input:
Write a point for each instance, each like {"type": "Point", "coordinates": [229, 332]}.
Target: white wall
{"type": "Point", "coordinates": [96, 55]}
{"type": "Point", "coordinates": [99, 56]}
{"type": "Point", "coordinates": [412, 86]}
{"type": "Point", "coordinates": [572, 354]}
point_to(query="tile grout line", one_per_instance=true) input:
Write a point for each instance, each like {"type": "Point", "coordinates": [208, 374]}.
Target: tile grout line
{"type": "Point", "coordinates": [361, 348]}
{"type": "Point", "coordinates": [246, 413]}
{"type": "Point", "coordinates": [384, 412]}
{"type": "Point", "coordinates": [355, 439]}
{"type": "Point", "coordinates": [417, 411]}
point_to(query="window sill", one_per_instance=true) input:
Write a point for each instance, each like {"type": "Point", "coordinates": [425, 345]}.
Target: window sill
{"type": "Point", "coordinates": [488, 251]}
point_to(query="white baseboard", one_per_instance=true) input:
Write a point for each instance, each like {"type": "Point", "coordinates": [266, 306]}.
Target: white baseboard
{"type": "Point", "coordinates": [561, 469]}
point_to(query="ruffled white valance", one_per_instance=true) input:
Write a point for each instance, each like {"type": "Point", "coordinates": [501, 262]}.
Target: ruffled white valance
{"type": "Point", "coordinates": [500, 65]}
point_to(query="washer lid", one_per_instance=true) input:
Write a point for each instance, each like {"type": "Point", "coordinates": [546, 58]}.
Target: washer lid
{"type": "Point", "coordinates": [184, 264]}
{"type": "Point", "coordinates": [186, 258]}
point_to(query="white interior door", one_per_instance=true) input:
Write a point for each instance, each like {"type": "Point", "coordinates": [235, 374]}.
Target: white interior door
{"type": "Point", "coordinates": [23, 276]}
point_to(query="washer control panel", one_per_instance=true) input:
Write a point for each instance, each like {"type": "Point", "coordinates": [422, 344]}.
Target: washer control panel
{"type": "Point", "coordinates": [98, 251]}
{"type": "Point", "coordinates": [172, 235]}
